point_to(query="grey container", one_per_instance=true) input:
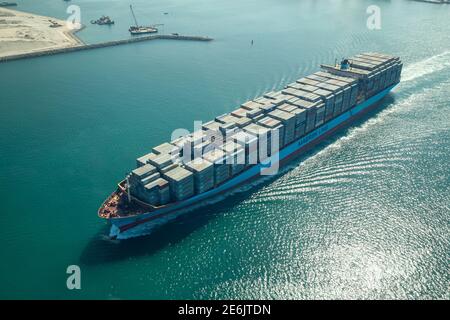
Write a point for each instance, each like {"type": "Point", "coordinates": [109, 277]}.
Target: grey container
{"type": "Point", "coordinates": [251, 105]}
{"type": "Point", "coordinates": [308, 81]}
{"type": "Point", "coordinates": [166, 148]}
{"type": "Point", "coordinates": [266, 104]}
{"type": "Point", "coordinates": [376, 81]}
{"type": "Point", "coordinates": [196, 137]}
{"type": "Point", "coordinates": [150, 178]}
{"type": "Point", "coordinates": [396, 72]}
{"type": "Point", "coordinates": [390, 75]}
{"type": "Point", "coordinates": [300, 114]}
{"type": "Point", "coordinates": [308, 96]}
{"type": "Point", "coordinates": [211, 125]}
{"type": "Point", "coordinates": [346, 98]}
{"type": "Point", "coordinates": [320, 114]}
{"type": "Point", "coordinates": [354, 94]}
{"type": "Point", "coordinates": [139, 174]}
{"type": "Point", "coordinates": [338, 102]}
{"type": "Point", "coordinates": [230, 147]}
{"type": "Point", "coordinates": [311, 109]}
{"type": "Point", "coordinates": [258, 117]}
{"type": "Point", "coordinates": [271, 94]}
{"type": "Point", "coordinates": [237, 163]}
{"type": "Point", "coordinates": [242, 122]}
{"type": "Point", "coordinates": [370, 83]}
{"type": "Point", "coordinates": [278, 97]}
{"type": "Point", "coordinates": [385, 73]}
{"type": "Point", "coordinates": [328, 99]}
{"type": "Point", "coordinates": [204, 147]}
{"type": "Point", "coordinates": [144, 159]}
{"type": "Point", "coordinates": [239, 113]}
{"type": "Point", "coordinates": [161, 161]}
{"type": "Point", "coordinates": [328, 75]}
{"type": "Point", "coordinates": [392, 70]}
{"type": "Point", "coordinates": [227, 128]}
{"type": "Point", "coordinates": [203, 171]}
{"type": "Point", "coordinates": [361, 65]}
{"type": "Point", "coordinates": [300, 130]}
{"type": "Point", "coordinates": [288, 120]}
{"type": "Point", "coordinates": [301, 86]}
{"type": "Point", "coordinates": [275, 126]}
{"type": "Point", "coordinates": [267, 108]}
{"type": "Point", "coordinates": [250, 144]}
{"type": "Point", "coordinates": [310, 123]}
{"type": "Point", "coordinates": [150, 196]}
{"type": "Point", "coordinates": [383, 80]}
{"type": "Point", "coordinates": [227, 118]}
{"type": "Point", "coordinates": [317, 78]}
{"type": "Point", "coordinates": [365, 61]}
{"type": "Point", "coordinates": [304, 87]}
{"type": "Point", "coordinates": [169, 167]}
{"type": "Point", "coordinates": [263, 135]}
{"type": "Point", "coordinates": [186, 145]}
{"type": "Point", "coordinates": [158, 192]}
{"type": "Point", "coordinates": [254, 113]}
{"type": "Point", "coordinates": [164, 194]}
{"type": "Point", "coordinates": [143, 171]}
{"type": "Point", "coordinates": [330, 87]}
{"type": "Point", "coordinates": [212, 138]}
{"type": "Point", "coordinates": [338, 83]}
{"type": "Point", "coordinates": [181, 183]}
{"type": "Point", "coordinates": [221, 170]}
{"type": "Point", "coordinates": [235, 157]}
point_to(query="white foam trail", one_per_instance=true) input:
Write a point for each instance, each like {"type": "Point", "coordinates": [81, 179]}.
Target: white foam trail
{"type": "Point", "coordinates": [426, 66]}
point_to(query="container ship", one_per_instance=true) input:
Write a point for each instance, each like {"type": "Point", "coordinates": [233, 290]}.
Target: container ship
{"type": "Point", "coordinates": [245, 144]}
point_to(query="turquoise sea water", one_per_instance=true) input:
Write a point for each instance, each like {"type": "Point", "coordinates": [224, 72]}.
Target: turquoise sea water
{"type": "Point", "coordinates": [363, 215]}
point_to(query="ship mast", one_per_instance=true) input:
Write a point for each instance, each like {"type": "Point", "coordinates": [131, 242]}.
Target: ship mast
{"type": "Point", "coordinates": [134, 17]}
{"type": "Point", "coordinates": [128, 189]}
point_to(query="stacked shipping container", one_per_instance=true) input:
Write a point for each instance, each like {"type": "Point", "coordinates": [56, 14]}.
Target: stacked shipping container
{"type": "Point", "coordinates": [233, 141]}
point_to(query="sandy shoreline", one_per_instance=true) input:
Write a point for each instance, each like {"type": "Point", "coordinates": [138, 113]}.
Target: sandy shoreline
{"type": "Point", "coordinates": [22, 32]}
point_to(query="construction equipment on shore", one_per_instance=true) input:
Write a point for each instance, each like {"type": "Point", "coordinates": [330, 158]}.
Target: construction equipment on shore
{"type": "Point", "coordinates": [54, 24]}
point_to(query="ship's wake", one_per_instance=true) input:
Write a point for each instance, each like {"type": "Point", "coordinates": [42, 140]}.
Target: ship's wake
{"type": "Point", "coordinates": [427, 66]}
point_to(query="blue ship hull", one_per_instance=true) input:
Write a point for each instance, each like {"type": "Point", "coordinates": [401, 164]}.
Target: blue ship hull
{"type": "Point", "coordinates": [138, 225]}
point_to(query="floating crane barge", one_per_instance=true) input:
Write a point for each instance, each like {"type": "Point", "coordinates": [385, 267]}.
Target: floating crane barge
{"type": "Point", "coordinates": [137, 29]}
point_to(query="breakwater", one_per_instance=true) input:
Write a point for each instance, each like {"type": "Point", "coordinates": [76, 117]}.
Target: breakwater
{"type": "Point", "coordinates": [102, 45]}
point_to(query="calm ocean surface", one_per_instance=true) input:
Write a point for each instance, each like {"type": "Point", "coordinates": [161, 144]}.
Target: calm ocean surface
{"type": "Point", "coordinates": [364, 215]}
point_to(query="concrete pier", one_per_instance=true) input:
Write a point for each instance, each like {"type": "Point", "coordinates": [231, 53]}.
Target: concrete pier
{"type": "Point", "coordinates": [102, 45]}
{"type": "Point", "coordinates": [435, 1]}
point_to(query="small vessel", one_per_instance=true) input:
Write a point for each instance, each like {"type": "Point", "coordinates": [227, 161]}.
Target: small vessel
{"type": "Point", "coordinates": [103, 20]}
{"type": "Point", "coordinates": [233, 149]}
{"type": "Point", "coordinates": [8, 4]}
{"type": "Point", "coordinates": [137, 29]}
